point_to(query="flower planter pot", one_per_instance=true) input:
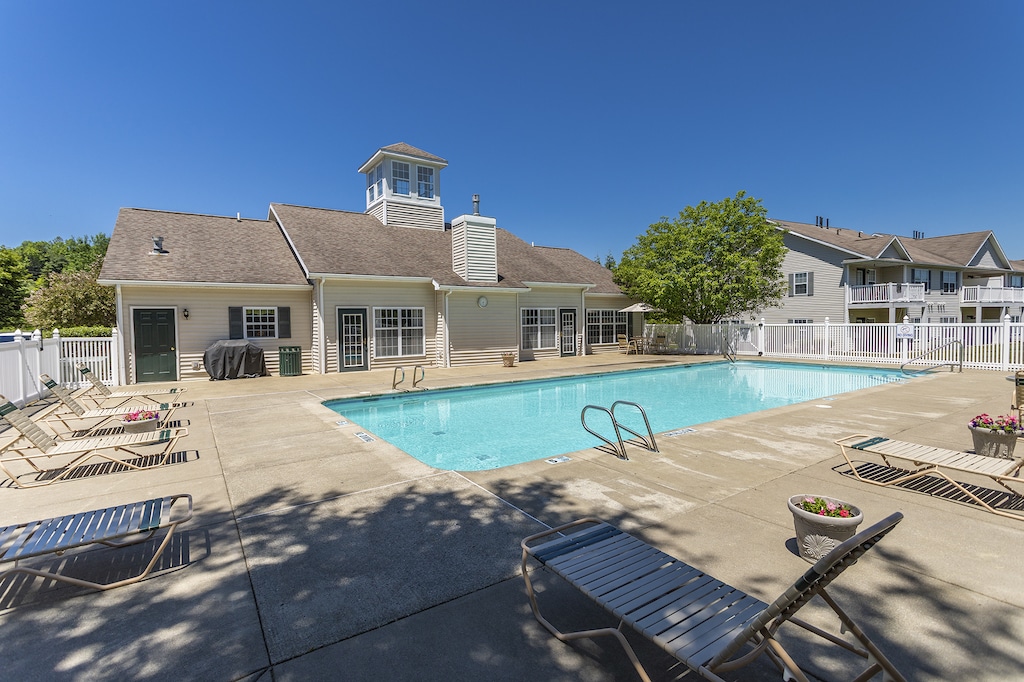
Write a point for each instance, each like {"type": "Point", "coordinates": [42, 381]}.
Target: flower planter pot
{"type": "Point", "coordinates": [818, 535]}
{"type": "Point", "coordinates": [508, 359]}
{"type": "Point", "coordinates": [139, 425]}
{"type": "Point", "coordinates": [993, 443]}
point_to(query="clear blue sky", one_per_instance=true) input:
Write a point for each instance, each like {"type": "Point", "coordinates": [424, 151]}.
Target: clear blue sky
{"type": "Point", "coordinates": [578, 123]}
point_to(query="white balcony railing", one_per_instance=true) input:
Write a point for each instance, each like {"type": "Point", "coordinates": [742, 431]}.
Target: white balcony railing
{"type": "Point", "coordinates": [1001, 295]}
{"type": "Point", "coordinates": [889, 292]}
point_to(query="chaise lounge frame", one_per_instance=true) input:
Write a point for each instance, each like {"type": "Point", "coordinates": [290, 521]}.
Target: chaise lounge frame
{"type": "Point", "coordinates": [940, 462]}
{"type": "Point", "coordinates": [80, 450]}
{"type": "Point", "coordinates": [119, 526]}
{"type": "Point", "coordinates": [699, 620]}
{"type": "Point", "coordinates": [103, 393]}
{"type": "Point", "coordinates": [101, 415]}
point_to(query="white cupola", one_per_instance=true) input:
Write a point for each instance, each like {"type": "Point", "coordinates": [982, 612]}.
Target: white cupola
{"type": "Point", "coordinates": [403, 187]}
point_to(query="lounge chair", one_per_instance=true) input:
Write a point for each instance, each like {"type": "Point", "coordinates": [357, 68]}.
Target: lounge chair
{"type": "Point", "coordinates": [79, 451]}
{"type": "Point", "coordinates": [119, 526]}
{"type": "Point", "coordinates": [1018, 395]}
{"type": "Point", "coordinates": [709, 626]}
{"type": "Point", "coordinates": [78, 413]}
{"type": "Point", "coordinates": [103, 393]}
{"type": "Point", "coordinates": [626, 345]}
{"type": "Point", "coordinates": [941, 463]}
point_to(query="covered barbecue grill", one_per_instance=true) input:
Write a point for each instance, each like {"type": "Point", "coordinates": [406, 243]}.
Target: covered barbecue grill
{"type": "Point", "coordinates": [234, 359]}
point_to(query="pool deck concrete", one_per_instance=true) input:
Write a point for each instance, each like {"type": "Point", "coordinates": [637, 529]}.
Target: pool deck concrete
{"type": "Point", "coordinates": [314, 555]}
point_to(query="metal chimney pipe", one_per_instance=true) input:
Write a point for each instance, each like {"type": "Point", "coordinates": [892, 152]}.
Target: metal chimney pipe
{"type": "Point", "coordinates": [476, 204]}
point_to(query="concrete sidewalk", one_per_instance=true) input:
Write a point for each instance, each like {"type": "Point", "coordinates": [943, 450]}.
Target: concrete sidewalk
{"type": "Point", "coordinates": [315, 555]}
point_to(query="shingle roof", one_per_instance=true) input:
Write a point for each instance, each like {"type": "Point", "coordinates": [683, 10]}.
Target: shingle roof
{"type": "Point", "coordinates": [332, 242]}
{"type": "Point", "coordinates": [951, 250]}
{"type": "Point", "coordinates": [199, 248]}
{"type": "Point", "coordinates": [954, 249]}
{"type": "Point", "coordinates": [409, 150]}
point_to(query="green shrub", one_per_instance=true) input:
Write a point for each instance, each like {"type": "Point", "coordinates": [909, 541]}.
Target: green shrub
{"type": "Point", "coordinates": [86, 332]}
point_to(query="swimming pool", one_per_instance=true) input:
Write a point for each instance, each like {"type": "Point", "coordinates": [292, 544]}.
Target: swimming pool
{"type": "Point", "coordinates": [487, 427]}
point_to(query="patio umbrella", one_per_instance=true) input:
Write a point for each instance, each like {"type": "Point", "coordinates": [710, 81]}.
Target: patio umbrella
{"type": "Point", "coordinates": [641, 308]}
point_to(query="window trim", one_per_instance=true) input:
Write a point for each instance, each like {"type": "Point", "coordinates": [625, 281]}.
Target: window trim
{"type": "Point", "coordinates": [797, 284]}
{"type": "Point", "coordinates": [539, 338]}
{"type": "Point", "coordinates": [601, 325]}
{"type": "Point", "coordinates": [942, 278]}
{"type": "Point", "coordinates": [420, 182]}
{"type": "Point", "coordinates": [246, 323]}
{"type": "Point", "coordinates": [399, 329]}
{"type": "Point", "coordinates": [925, 278]}
{"type": "Point", "coordinates": [375, 183]}
{"type": "Point", "coordinates": [395, 179]}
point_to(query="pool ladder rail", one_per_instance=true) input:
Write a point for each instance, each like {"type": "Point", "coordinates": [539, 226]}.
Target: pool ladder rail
{"type": "Point", "coordinates": [417, 377]}
{"type": "Point", "coordinates": [619, 448]}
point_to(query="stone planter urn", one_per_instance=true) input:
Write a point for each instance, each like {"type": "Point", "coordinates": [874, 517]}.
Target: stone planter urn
{"type": "Point", "coordinates": [140, 425]}
{"type": "Point", "coordinates": [508, 359]}
{"type": "Point", "coordinates": [817, 535]}
{"type": "Point", "coordinates": [992, 443]}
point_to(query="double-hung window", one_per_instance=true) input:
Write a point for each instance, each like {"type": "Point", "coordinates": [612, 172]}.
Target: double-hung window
{"type": "Point", "coordinates": [397, 332]}
{"type": "Point", "coordinates": [399, 177]}
{"type": "Point", "coordinates": [1017, 281]}
{"type": "Point", "coordinates": [800, 284]}
{"type": "Point", "coordinates": [538, 328]}
{"type": "Point", "coordinates": [375, 183]}
{"type": "Point", "coordinates": [604, 326]}
{"type": "Point", "coordinates": [949, 281]}
{"type": "Point", "coordinates": [919, 276]}
{"type": "Point", "coordinates": [260, 323]}
{"type": "Point", "coordinates": [424, 182]}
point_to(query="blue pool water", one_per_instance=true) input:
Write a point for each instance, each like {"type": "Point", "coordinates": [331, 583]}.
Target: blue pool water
{"type": "Point", "coordinates": [486, 427]}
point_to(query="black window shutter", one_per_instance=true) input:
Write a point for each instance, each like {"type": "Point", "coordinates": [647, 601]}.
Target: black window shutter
{"type": "Point", "coordinates": [810, 284]}
{"type": "Point", "coordinates": [235, 330]}
{"type": "Point", "coordinates": [284, 323]}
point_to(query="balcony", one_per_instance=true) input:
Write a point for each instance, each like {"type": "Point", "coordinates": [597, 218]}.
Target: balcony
{"type": "Point", "coordinates": [994, 295]}
{"type": "Point", "coordinates": [884, 294]}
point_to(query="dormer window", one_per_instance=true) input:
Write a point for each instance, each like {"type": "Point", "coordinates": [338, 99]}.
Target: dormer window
{"type": "Point", "coordinates": [375, 184]}
{"type": "Point", "coordinates": [399, 177]}
{"type": "Point", "coordinates": [425, 182]}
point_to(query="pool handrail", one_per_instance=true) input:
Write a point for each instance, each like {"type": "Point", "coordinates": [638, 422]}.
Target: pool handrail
{"type": "Point", "coordinates": [649, 444]}
{"type": "Point", "coordinates": [620, 450]}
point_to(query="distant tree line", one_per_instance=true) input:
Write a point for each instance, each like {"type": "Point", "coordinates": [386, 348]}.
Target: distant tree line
{"type": "Point", "coordinates": [47, 285]}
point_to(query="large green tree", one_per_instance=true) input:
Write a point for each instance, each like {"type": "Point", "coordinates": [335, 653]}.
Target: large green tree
{"type": "Point", "coordinates": [13, 289]}
{"type": "Point", "coordinates": [71, 299]}
{"type": "Point", "coordinates": [716, 261]}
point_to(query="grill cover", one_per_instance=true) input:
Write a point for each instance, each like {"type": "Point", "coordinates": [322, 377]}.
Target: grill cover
{"type": "Point", "coordinates": [234, 359]}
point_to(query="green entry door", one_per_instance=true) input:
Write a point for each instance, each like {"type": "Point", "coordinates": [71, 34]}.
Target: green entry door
{"type": "Point", "coordinates": [155, 357]}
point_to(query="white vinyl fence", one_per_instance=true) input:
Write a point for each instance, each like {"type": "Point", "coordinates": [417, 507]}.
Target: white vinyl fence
{"type": "Point", "coordinates": [987, 345]}
{"type": "Point", "coordinates": [23, 359]}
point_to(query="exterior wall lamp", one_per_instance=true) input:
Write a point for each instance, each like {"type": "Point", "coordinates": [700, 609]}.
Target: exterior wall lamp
{"type": "Point", "coordinates": [184, 313]}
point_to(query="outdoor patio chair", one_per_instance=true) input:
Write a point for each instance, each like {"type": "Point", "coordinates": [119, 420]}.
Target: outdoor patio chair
{"type": "Point", "coordinates": [626, 345]}
{"type": "Point", "coordinates": [711, 627]}
{"type": "Point", "coordinates": [941, 463]}
{"type": "Point", "coordinates": [1018, 395]}
{"type": "Point", "coordinates": [103, 393]}
{"type": "Point", "coordinates": [78, 451]}
{"type": "Point", "coordinates": [79, 413]}
{"type": "Point", "coordinates": [120, 526]}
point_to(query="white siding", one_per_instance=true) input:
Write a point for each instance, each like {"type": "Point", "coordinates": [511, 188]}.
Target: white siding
{"type": "Point", "coordinates": [372, 294]}
{"type": "Point", "coordinates": [406, 215]}
{"type": "Point", "coordinates": [208, 321]}
{"type": "Point", "coordinates": [828, 297]}
{"type": "Point", "coordinates": [480, 335]}
{"type": "Point", "coordinates": [474, 249]}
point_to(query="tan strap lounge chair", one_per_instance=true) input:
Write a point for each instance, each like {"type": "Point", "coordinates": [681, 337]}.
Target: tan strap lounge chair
{"type": "Point", "coordinates": [1018, 395]}
{"type": "Point", "coordinates": [78, 451]}
{"type": "Point", "coordinates": [119, 526]}
{"type": "Point", "coordinates": [78, 413]}
{"type": "Point", "coordinates": [711, 627]}
{"type": "Point", "coordinates": [103, 393]}
{"type": "Point", "coordinates": [626, 345]}
{"type": "Point", "coordinates": [942, 463]}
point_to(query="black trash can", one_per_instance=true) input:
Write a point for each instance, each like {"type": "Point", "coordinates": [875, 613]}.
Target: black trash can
{"type": "Point", "coordinates": [289, 361]}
